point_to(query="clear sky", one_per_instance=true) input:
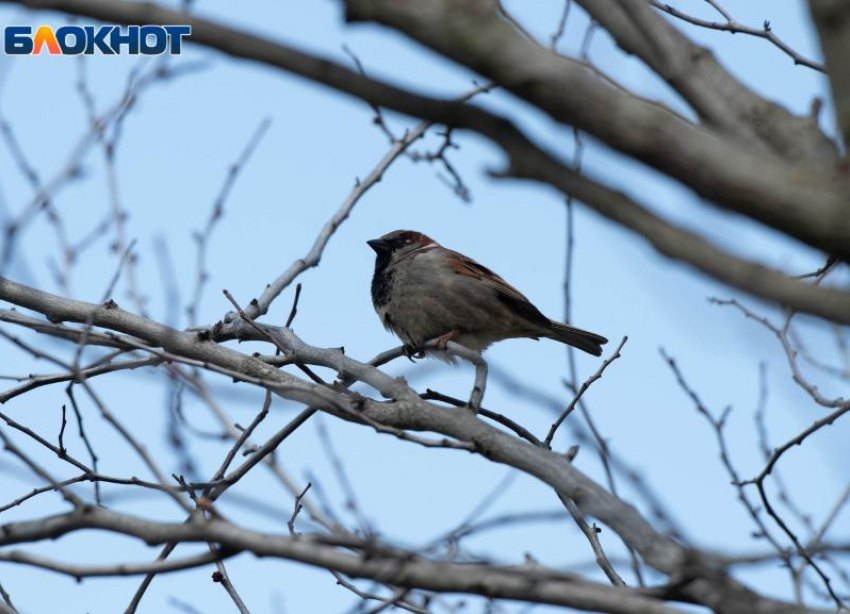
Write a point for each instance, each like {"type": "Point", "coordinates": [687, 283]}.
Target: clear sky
{"type": "Point", "coordinates": [176, 146]}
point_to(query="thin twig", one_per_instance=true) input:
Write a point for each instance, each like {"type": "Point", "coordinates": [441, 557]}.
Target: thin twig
{"type": "Point", "coordinates": [730, 25]}
{"type": "Point", "coordinates": [69, 391]}
{"type": "Point", "coordinates": [587, 383]}
{"type": "Point", "coordinates": [294, 311]}
{"type": "Point", "coordinates": [202, 237]}
{"type": "Point", "coordinates": [562, 26]}
{"type": "Point", "coordinates": [592, 535]}
{"type": "Point", "coordinates": [296, 509]}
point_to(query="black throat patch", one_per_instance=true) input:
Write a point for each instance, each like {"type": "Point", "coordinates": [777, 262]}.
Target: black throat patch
{"type": "Point", "coordinates": [382, 281]}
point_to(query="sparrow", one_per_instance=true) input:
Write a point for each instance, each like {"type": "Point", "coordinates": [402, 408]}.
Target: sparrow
{"type": "Point", "coordinates": [422, 291]}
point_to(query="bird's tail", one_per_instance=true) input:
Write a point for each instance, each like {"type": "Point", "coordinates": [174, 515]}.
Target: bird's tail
{"type": "Point", "coordinates": [576, 337]}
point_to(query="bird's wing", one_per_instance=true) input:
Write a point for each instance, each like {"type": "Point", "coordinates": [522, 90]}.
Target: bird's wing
{"type": "Point", "coordinates": [510, 296]}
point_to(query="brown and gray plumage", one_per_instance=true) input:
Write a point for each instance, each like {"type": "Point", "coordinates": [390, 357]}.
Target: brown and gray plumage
{"type": "Point", "coordinates": [423, 291]}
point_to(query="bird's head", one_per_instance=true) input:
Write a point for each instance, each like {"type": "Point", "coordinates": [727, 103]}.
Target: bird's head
{"type": "Point", "coordinates": [399, 243]}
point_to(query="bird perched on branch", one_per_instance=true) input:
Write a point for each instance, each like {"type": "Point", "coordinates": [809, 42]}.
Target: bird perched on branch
{"type": "Point", "coordinates": [423, 291]}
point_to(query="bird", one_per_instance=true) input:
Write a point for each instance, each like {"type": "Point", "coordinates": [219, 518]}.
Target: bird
{"type": "Point", "coordinates": [423, 291]}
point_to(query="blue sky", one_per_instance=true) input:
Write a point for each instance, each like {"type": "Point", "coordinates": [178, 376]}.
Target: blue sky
{"type": "Point", "coordinates": [177, 144]}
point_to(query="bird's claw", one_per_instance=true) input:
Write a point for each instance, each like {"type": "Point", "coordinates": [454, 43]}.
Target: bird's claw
{"type": "Point", "coordinates": [411, 352]}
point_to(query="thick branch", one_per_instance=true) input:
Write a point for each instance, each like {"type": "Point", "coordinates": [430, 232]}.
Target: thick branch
{"type": "Point", "coordinates": [531, 163]}
{"type": "Point", "coordinates": [727, 171]}
{"type": "Point", "coordinates": [723, 102]}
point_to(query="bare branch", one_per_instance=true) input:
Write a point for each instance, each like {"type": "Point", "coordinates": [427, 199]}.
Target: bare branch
{"type": "Point", "coordinates": [37, 381]}
{"type": "Point", "coordinates": [677, 242]}
{"type": "Point", "coordinates": [731, 25]}
{"type": "Point", "coordinates": [562, 25]}
{"type": "Point", "coordinates": [530, 583]}
{"type": "Point", "coordinates": [591, 533]}
{"type": "Point", "coordinates": [587, 383]}
{"type": "Point", "coordinates": [202, 237]}
{"type": "Point", "coordinates": [121, 569]}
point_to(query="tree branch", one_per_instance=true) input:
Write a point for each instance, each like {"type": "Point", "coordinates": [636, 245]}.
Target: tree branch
{"type": "Point", "coordinates": [406, 411]}
{"type": "Point", "coordinates": [733, 26]}
{"type": "Point", "coordinates": [385, 564]}
{"type": "Point", "coordinates": [120, 569]}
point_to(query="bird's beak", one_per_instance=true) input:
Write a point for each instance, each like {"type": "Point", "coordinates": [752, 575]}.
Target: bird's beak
{"type": "Point", "coordinates": [379, 245]}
